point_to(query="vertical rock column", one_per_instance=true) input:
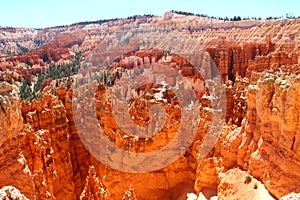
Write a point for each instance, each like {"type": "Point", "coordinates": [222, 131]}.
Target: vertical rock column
{"type": "Point", "coordinates": [48, 141]}
{"type": "Point", "coordinates": [13, 168]}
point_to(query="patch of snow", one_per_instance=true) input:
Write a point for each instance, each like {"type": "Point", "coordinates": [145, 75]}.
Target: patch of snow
{"type": "Point", "coordinates": [191, 196]}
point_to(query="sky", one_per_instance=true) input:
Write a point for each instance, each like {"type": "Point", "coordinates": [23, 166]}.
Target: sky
{"type": "Point", "coordinates": [48, 13]}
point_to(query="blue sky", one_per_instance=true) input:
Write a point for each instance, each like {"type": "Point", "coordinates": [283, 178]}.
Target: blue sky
{"type": "Point", "coordinates": [47, 13]}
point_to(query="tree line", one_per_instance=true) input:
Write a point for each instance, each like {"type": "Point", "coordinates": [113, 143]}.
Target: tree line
{"type": "Point", "coordinates": [30, 91]}
{"type": "Point", "coordinates": [235, 18]}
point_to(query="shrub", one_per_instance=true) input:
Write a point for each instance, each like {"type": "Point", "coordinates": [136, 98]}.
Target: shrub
{"type": "Point", "coordinates": [255, 186]}
{"type": "Point", "coordinates": [248, 179]}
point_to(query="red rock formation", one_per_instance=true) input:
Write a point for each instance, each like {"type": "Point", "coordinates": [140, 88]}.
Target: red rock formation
{"type": "Point", "coordinates": [277, 122]}
{"type": "Point", "coordinates": [42, 155]}
{"type": "Point", "coordinates": [237, 146]}
{"type": "Point", "coordinates": [14, 169]}
{"type": "Point", "coordinates": [232, 45]}
{"type": "Point", "coordinates": [129, 194]}
{"type": "Point", "coordinates": [49, 144]}
{"type": "Point", "coordinates": [265, 145]}
{"type": "Point", "coordinates": [94, 188]}
{"type": "Point", "coordinates": [262, 63]}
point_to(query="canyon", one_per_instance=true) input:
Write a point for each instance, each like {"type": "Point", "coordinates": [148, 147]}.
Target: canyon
{"type": "Point", "coordinates": [43, 150]}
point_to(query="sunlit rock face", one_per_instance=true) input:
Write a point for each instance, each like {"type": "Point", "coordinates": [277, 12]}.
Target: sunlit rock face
{"type": "Point", "coordinates": [257, 145]}
{"type": "Point", "coordinates": [42, 155]}
{"type": "Point", "coordinates": [11, 193]}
